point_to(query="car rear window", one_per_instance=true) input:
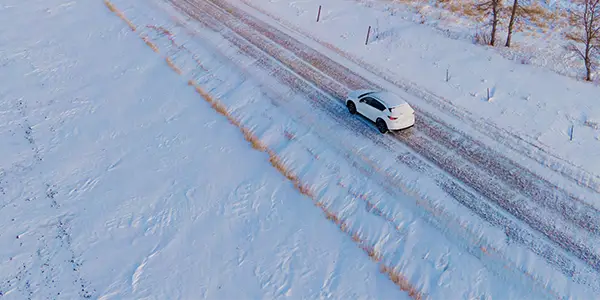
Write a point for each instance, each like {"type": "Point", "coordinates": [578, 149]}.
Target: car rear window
{"type": "Point", "coordinates": [401, 108]}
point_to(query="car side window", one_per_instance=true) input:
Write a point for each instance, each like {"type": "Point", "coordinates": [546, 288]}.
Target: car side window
{"type": "Point", "coordinates": [378, 105]}
{"type": "Point", "coordinates": [366, 100]}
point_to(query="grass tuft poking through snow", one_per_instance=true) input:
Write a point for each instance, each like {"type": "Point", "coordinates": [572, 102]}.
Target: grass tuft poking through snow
{"type": "Point", "coordinates": [120, 14]}
{"type": "Point", "coordinates": [150, 44]}
{"type": "Point", "coordinates": [173, 66]}
{"type": "Point", "coordinates": [594, 124]}
{"type": "Point", "coordinates": [401, 281]}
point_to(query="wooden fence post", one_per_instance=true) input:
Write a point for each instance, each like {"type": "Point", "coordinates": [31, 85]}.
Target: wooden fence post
{"type": "Point", "coordinates": [572, 130]}
{"type": "Point", "coordinates": [319, 14]}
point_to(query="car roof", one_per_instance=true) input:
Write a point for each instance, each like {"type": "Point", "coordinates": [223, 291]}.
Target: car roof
{"type": "Point", "coordinates": [389, 99]}
{"type": "Point", "coordinates": [361, 93]}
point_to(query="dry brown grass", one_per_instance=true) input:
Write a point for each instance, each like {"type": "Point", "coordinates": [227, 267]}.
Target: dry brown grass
{"type": "Point", "coordinates": [198, 89]}
{"type": "Point", "coordinates": [278, 164]}
{"type": "Point", "coordinates": [172, 65]}
{"type": "Point", "coordinates": [344, 227]}
{"type": "Point", "coordinates": [161, 29]}
{"type": "Point", "coordinates": [252, 139]}
{"type": "Point", "coordinates": [304, 189]}
{"type": "Point", "coordinates": [248, 135]}
{"type": "Point", "coordinates": [150, 44]}
{"type": "Point", "coordinates": [484, 250]}
{"type": "Point", "coordinates": [454, 7]}
{"type": "Point", "coordinates": [120, 14]}
{"type": "Point", "coordinates": [401, 281]}
{"type": "Point", "coordinates": [222, 109]}
{"type": "Point", "coordinates": [373, 254]}
{"type": "Point", "coordinates": [146, 40]}
{"type": "Point", "coordinates": [332, 217]}
{"type": "Point", "coordinates": [470, 11]}
{"type": "Point", "coordinates": [356, 237]}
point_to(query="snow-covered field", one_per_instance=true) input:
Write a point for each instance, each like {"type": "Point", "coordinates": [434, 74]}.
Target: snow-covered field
{"type": "Point", "coordinates": [118, 180]}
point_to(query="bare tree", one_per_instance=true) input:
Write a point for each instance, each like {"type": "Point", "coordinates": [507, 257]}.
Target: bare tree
{"type": "Point", "coordinates": [494, 9]}
{"type": "Point", "coordinates": [523, 9]}
{"type": "Point", "coordinates": [511, 22]}
{"type": "Point", "coordinates": [585, 24]}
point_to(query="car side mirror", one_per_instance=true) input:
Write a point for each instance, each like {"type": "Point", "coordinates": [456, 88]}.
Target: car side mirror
{"type": "Point", "coordinates": [361, 100]}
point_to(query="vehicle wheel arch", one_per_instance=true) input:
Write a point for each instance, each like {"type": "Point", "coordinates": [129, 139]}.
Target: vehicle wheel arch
{"type": "Point", "coordinates": [351, 106]}
{"type": "Point", "coordinates": [378, 120]}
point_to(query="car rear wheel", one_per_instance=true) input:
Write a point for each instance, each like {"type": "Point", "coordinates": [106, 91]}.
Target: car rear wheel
{"type": "Point", "coordinates": [351, 107]}
{"type": "Point", "coordinates": [381, 126]}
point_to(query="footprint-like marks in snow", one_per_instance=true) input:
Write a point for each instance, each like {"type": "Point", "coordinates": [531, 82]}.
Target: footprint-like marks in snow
{"type": "Point", "coordinates": [244, 199]}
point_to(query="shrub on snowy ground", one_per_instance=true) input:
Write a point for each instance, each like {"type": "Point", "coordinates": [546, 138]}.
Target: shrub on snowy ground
{"type": "Point", "coordinates": [481, 37]}
{"type": "Point", "coordinates": [592, 123]}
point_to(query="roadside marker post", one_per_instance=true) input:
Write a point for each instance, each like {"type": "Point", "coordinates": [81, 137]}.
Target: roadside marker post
{"type": "Point", "coordinates": [319, 14]}
{"type": "Point", "coordinates": [572, 130]}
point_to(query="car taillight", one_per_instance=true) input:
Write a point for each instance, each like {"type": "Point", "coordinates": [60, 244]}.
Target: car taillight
{"type": "Point", "coordinates": [392, 118]}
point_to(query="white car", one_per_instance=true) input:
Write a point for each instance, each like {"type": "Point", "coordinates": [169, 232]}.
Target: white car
{"type": "Point", "coordinates": [387, 110]}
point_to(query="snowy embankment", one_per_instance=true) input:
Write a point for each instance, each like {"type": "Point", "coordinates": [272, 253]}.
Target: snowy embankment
{"type": "Point", "coordinates": [535, 104]}
{"type": "Point", "coordinates": [118, 181]}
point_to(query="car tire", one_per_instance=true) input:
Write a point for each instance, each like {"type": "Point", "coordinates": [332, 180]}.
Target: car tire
{"type": "Point", "coordinates": [381, 125]}
{"type": "Point", "coordinates": [351, 107]}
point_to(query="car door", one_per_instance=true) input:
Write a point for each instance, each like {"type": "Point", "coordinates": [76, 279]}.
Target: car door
{"type": "Point", "coordinates": [362, 106]}
{"type": "Point", "coordinates": [367, 108]}
{"type": "Point", "coordinates": [375, 109]}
